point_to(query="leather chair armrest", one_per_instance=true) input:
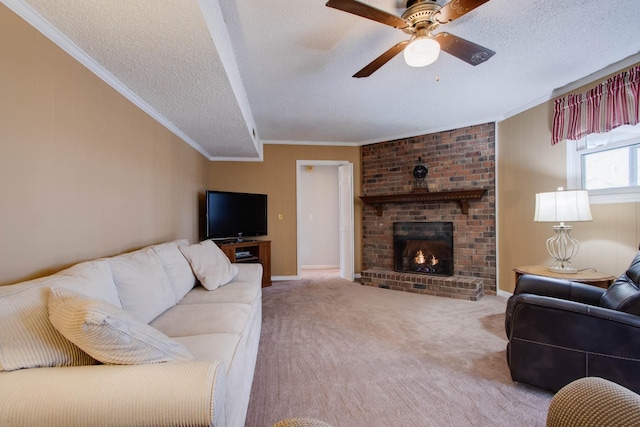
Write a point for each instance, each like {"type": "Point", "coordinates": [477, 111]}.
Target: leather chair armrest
{"type": "Point", "coordinates": [559, 288]}
{"type": "Point", "coordinates": [571, 324]}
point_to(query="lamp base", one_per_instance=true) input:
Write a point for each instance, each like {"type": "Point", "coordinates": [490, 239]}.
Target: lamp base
{"type": "Point", "coordinates": [563, 267]}
{"type": "Point", "coordinates": [562, 247]}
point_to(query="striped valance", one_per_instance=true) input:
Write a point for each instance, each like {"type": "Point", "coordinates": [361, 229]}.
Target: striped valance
{"type": "Point", "coordinates": [614, 102]}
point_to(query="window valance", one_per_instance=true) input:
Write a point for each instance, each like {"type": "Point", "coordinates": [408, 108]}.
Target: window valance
{"type": "Point", "coordinates": [614, 102]}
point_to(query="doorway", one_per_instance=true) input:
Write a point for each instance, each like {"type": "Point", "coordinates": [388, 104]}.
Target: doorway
{"type": "Point", "coordinates": [325, 230]}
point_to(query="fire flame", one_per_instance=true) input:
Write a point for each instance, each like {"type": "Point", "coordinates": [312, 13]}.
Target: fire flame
{"type": "Point", "coordinates": [421, 259]}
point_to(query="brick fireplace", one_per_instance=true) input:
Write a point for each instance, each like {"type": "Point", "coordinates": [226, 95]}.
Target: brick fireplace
{"type": "Point", "coordinates": [458, 160]}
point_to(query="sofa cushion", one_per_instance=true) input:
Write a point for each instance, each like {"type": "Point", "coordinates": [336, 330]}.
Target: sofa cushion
{"type": "Point", "coordinates": [212, 347]}
{"type": "Point", "coordinates": [108, 333]}
{"type": "Point", "coordinates": [213, 318]}
{"type": "Point", "coordinates": [176, 266]}
{"type": "Point", "coordinates": [142, 284]}
{"type": "Point", "coordinates": [91, 278]}
{"type": "Point", "coordinates": [242, 292]}
{"type": "Point", "coordinates": [27, 338]}
{"type": "Point", "coordinates": [210, 265]}
{"type": "Point", "coordinates": [624, 293]}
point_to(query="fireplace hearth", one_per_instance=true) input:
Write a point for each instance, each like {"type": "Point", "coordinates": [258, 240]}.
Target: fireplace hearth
{"type": "Point", "coordinates": [423, 247]}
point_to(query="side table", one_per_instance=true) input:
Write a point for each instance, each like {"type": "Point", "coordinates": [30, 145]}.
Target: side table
{"type": "Point", "coordinates": [589, 277]}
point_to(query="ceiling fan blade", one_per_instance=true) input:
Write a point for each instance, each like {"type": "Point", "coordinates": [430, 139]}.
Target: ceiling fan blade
{"type": "Point", "coordinates": [469, 52]}
{"type": "Point", "coordinates": [381, 60]}
{"type": "Point", "coordinates": [456, 8]}
{"type": "Point", "coordinates": [366, 11]}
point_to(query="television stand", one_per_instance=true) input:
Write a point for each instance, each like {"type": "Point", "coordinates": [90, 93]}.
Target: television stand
{"type": "Point", "coordinates": [250, 251]}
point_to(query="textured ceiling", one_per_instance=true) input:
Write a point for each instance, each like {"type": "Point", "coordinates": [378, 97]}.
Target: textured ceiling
{"type": "Point", "coordinates": [227, 76]}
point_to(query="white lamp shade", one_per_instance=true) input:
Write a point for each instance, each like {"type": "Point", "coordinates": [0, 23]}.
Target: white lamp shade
{"type": "Point", "coordinates": [421, 52]}
{"type": "Point", "coordinates": [561, 206]}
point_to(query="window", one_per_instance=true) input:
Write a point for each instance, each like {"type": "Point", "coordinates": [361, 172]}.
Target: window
{"type": "Point", "coordinates": [607, 164]}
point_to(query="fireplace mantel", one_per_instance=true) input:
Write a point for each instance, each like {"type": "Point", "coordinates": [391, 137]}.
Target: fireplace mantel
{"type": "Point", "coordinates": [461, 196]}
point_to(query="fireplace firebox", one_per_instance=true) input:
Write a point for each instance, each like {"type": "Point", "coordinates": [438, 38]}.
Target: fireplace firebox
{"type": "Point", "coordinates": [423, 247]}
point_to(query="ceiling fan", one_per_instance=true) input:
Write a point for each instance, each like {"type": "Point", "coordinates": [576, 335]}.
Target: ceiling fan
{"type": "Point", "coordinates": [419, 20]}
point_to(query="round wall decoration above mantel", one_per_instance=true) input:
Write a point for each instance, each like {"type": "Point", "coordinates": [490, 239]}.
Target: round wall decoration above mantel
{"type": "Point", "coordinates": [420, 172]}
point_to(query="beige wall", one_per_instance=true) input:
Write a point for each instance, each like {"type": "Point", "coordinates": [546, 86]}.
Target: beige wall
{"type": "Point", "coordinates": [528, 164]}
{"type": "Point", "coordinates": [83, 172]}
{"type": "Point", "coordinates": [276, 177]}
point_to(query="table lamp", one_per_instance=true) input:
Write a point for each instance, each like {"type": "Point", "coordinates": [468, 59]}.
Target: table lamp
{"type": "Point", "coordinates": [560, 206]}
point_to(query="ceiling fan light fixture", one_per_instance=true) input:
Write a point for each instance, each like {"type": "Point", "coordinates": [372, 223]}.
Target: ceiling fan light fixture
{"type": "Point", "coordinates": [421, 52]}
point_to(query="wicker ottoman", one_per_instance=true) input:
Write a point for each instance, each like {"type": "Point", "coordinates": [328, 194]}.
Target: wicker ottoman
{"type": "Point", "coordinates": [594, 402]}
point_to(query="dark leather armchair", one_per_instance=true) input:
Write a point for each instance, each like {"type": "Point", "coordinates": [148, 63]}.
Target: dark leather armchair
{"type": "Point", "coordinates": [560, 331]}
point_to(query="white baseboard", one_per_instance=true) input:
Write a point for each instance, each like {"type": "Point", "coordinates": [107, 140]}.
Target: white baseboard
{"type": "Point", "coordinates": [283, 278]}
{"type": "Point", "coordinates": [319, 267]}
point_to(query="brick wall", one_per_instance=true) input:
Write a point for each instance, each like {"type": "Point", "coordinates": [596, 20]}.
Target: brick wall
{"type": "Point", "coordinates": [457, 159]}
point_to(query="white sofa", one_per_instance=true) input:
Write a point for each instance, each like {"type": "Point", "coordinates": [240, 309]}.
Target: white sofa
{"type": "Point", "coordinates": [71, 352]}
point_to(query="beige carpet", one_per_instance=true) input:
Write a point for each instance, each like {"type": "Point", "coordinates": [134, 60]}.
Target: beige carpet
{"type": "Point", "coordinates": [357, 356]}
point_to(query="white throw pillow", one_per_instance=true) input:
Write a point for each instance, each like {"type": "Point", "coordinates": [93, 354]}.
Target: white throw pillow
{"type": "Point", "coordinates": [110, 334]}
{"type": "Point", "coordinates": [210, 265]}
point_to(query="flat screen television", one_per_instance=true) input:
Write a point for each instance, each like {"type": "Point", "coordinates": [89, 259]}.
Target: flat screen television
{"type": "Point", "coordinates": [235, 215]}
